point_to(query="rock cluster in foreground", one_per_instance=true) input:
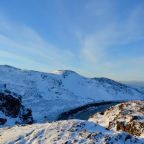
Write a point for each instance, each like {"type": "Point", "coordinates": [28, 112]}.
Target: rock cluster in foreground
{"type": "Point", "coordinates": [127, 116]}
{"type": "Point", "coordinates": [12, 111]}
{"type": "Point", "coordinates": [65, 132]}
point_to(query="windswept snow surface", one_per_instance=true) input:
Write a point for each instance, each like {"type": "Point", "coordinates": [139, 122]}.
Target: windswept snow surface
{"type": "Point", "coordinates": [65, 132]}
{"type": "Point", "coordinates": [49, 94]}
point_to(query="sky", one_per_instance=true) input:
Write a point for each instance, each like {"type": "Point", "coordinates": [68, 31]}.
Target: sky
{"type": "Point", "coordinates": [96, 38]}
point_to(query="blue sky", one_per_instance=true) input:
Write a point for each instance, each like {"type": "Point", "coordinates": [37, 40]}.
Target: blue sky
{"type": "Point", "coordinates": [97, 38]}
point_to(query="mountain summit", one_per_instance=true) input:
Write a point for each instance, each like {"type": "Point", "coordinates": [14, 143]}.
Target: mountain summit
{"type": "Point", "coordinates": [50, 94]}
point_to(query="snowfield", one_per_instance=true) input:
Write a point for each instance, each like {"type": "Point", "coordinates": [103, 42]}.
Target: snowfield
{"type": "Point", "coordinates": [65, 132]}
{"type": "Point", "coordinates": [50, 94]}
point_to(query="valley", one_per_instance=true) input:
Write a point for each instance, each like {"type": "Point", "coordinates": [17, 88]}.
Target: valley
{"type": "Point", "coordinates": [86, 111]}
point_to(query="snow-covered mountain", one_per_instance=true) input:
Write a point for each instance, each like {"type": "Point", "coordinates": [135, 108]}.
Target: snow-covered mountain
{"type": "Point", "coordinates": [49, 94]}
{"type": "Point", "coordinates": [65, 132]}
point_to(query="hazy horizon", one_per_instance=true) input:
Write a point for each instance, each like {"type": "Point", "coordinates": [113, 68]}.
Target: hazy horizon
{"type": "Point", "coordinates": [94, 38]}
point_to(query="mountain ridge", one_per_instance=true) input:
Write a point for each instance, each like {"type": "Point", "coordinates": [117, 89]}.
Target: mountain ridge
{"type": "Point", "coordinates": [50, 94]}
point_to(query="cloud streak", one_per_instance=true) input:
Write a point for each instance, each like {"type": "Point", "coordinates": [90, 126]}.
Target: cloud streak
{"type": "Point", "coordinates": [98, 38]}
{"type": "Point", "coordinates": [22, 42]}
{"type": "Point", "coordinates": [96, 45]}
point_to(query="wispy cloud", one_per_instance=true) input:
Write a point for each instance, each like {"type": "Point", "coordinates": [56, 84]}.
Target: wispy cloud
{"type": "Point", "coordinates": [117, 33]}
{"type": "Point", "coordinates": [96, 45]}
{"type": "Point", "coordinates": [24, 43]}
{"type": "Point", "coordinates": [101, 34]}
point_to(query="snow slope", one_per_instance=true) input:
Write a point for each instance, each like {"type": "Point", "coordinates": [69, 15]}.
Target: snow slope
{"type": "Point", "coordinates": [65, 132]}
{"type": "Point", "coordinates": [49, 94]}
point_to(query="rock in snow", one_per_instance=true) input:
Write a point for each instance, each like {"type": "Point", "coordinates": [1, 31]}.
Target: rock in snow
{"type": "Point", "coordinates": [50, 94]}
{"type": "Point", "coordinates": [65, 132]}
{"type": "Point", "coordinates": [12, 111]}
{"type": "Point", "coordinates": [127, 116]}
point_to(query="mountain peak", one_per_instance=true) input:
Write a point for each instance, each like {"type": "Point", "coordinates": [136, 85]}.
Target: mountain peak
{"type": "Point", "coordinates": [8, 67]}
{"type": "Point", "coordinates": [65, 72]}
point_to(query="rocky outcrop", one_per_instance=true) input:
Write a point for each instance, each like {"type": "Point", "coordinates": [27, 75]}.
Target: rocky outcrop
{"type": "Point", "coordinates": [10, 103]}
{"type": "Point", "coordinates": [11, 108]}
{"type": "Point", "coordinates": [127, 116]}
{"type": "Point", "coordinates": [3, 121]}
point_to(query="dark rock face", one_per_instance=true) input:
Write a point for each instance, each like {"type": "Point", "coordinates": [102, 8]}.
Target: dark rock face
{"type": "Point", "coordinates": [26, 115]}
{"type": "Point", "coordinates": [3, 121]}
{"type": "Point", "coordinates": [11, 106]}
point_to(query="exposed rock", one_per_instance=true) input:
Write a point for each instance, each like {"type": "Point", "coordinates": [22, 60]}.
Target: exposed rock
{"type": "Point", "coordinates": [127, 116]}
{"type": "Point", "coordinates": [11, 108]}
{"type": "Point", "coordinates": [10, 103]}
{"type": "Point", "coordinates": [3, 121]}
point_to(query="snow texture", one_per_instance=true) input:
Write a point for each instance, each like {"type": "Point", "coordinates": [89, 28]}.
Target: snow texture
{"type": "Point", "coordinates": [65, 132]}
